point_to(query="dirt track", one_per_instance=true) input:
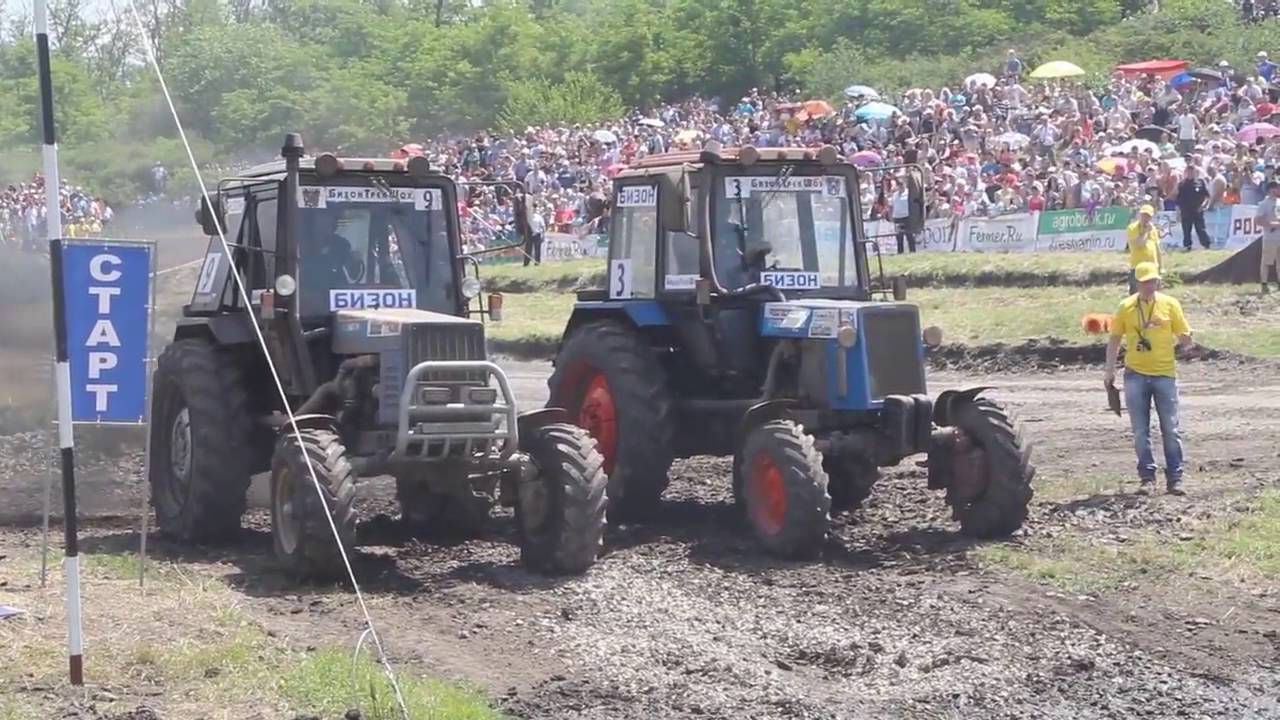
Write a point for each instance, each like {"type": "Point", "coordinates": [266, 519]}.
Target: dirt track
{"type": "Point", "coordinates": [684, 617]}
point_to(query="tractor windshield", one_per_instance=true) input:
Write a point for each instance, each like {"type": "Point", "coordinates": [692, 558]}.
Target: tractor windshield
{"type": "Point", "coordinates": [793, 231]}
{"type": "Point", "coordinates": [348, 248]}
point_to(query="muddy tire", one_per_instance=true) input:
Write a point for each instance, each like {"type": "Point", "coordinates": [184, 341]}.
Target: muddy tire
{"type": "Point", "coordinates": [850, 479]}
{"type": "Point", "coordinates": [611, 384]}
{"type": "Point", "coordinates": [300, 530]}
{"type": "Point", "coordinates": [441, 515]}
{"type": "Point", "coordinates": [784, 489]}
{"type": "Point", "coordinates": [1002, 507]}
{"type": "Point", "coordinates": [200, 430]}
{"type": "Point", "coordinates": [561, 511]}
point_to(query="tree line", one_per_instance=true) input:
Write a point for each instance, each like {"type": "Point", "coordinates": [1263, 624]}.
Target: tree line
{"type": "Point", "coordinates": [363, 75]}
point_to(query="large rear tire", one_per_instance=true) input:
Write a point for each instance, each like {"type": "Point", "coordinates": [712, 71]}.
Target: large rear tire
{"type": "Point", "coordinates": [611, 384]}
{"type": "Point", "coordinates": [784, 489]}
{"type": "Point", "coordinates": [300, 530]}
{"type": "Point", "coordinates": [561, 510]}
{"type": "Point", "coordinates": [200, 435]}
{"type": "Point", "coordinates": [1001, 508]}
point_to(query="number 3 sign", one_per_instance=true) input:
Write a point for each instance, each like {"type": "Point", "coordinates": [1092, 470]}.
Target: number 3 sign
{"type": "Point", "coordinates": [620, 279]}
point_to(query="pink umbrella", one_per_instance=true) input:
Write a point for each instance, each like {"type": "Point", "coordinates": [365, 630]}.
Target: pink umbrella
{"type": "Point", "coordinates": [615, 169]}
{"type": "Point", "coordinates": [866, 158]}
{"type": "Point", "coordinates": [1251, 133]}
{"type": "Point", "coordinates": [407, 151]}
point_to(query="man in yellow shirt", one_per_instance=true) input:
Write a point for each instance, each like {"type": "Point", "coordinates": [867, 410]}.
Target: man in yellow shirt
{"type": "Point", "coordinates": [1151, 324]}
{"type": "Point", "coordinates": [1144, 244]}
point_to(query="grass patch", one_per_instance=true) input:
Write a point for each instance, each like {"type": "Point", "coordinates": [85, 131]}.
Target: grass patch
{"type": "Point", "coordinates": [328, 683]}
{"type": "Point", "coordinates": [1224, 317]}
{"type": "Point", "coordinates": [1245, 548]}
{"type": "Point", "coordinates": [1027, 269]}
{"type": "Point", "coordinates": [924, 269]}
{"type": "Point", "coordinates": [192, 651]}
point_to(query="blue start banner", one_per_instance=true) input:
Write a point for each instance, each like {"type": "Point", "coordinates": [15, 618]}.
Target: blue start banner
{"type": "Point", "coordinates": [107, 289]}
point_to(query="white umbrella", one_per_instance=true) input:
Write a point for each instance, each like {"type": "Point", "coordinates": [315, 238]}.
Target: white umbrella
{"type": "Point", "coordinates": [652, 122]}
{"type": "Point", "coordinates": [604, 136]}
{"type": "Point", "coordinates": [1012, 139]}
{"type": "Point", "coordinates": [862, 91]}
{"type": "Point", "coordinates": [981, 79]}
{"type": "Point", "coordinates": [1136, 144]}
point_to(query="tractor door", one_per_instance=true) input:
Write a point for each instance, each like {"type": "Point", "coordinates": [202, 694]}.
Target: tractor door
{"type": "Point", "coordinates": [633, 241]}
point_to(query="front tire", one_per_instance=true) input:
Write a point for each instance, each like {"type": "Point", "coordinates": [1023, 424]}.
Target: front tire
{"type": "Point", "coordinates": [199, 470]}
{"type": "Point", "coordinates": [783, 489]}
{"type": "Point", "coordinates": [1001, 508]}
{"type": "Point", "coordinates": [300, 531]}
{"type": "Point", "coordinates": [611, 384]}
{"type": "Point", "coordinates": [561, 511]}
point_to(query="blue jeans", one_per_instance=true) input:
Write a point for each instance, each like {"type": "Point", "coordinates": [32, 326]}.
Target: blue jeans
{"type": "Point", "coordinates": [1139, 391]}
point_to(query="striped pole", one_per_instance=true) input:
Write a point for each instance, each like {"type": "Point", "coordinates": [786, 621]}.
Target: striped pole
{"type": "Point", "coordinates": [66, 440]}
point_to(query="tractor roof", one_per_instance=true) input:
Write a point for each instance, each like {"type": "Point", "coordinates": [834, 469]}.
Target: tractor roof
{"type": "Point", "coordinates": [698, 158]}
{"type": "Point", "coordinates": [308, 164]}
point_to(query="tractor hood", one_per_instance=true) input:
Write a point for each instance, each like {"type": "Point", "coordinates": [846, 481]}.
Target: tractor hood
{"type": "Point", "coordinates": [817, 318]}
{"type": "Point", "coordinates": [366, 331]}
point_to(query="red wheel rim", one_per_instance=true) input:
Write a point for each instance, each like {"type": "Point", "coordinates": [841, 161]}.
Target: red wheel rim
{"type": "Point", "coordinates": [598, 416]}
{"type": "Point", "coordinates": [768, 494]}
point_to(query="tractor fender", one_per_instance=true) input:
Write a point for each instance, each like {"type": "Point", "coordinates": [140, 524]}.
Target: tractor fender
{"type": "Point", "coordinates": [531, 420]}
{"type": "Point", "coordinates": [311, 421]}
{"type": "Point", "coordinates": [233, 329]}
{"type": "Point", "coordinates": [942, 407]}
{"type": "Point", "coordinates": [761, 413]}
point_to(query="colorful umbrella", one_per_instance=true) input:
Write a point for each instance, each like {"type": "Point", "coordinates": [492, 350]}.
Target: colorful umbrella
{"type": "Point", "coordinates": [875, 111]}
{"type": "Point", "coordinates": [854, 91]}
{"type": "Point", "coordinates": [818, 108]}
{"type": "Point", "coordinates": [615, 169]}
{"type": "Point", "coordinates": [408, 151]}
{"type": "Point", "coordinates": [866, 158]}
{"type": "Point", "coordinates": [1153, 67]}
{"type": "Point", "coordinates": [981, 79]}
{"type": "Point", "coordinates": [1265, 109]}
{"type": "Point", "coordinates": [1251, 133]}
{"type": "Point", "coordinates": [1113, 165]}
{"type": "Point", "coordinates": [1057, 69]}
{"type": "Point", "coordinates": [1181, 79]}
{"type": "Point", "coordinates": [604, 136]}
{"type": "Point", "coordinates": [653, 123]}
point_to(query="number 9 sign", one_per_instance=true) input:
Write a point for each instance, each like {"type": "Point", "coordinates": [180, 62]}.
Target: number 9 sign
{"type": "Point", "coordinates": [620, 279]}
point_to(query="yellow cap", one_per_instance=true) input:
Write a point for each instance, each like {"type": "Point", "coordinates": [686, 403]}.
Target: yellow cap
{"type": "Point", "coordinates": [1147, 210]}
{"type": "Point", "coordinates": [1146, 271]}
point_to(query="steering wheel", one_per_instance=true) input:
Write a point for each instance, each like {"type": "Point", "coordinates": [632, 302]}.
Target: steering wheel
{"type": "Point", "coordinates": [354, 269]}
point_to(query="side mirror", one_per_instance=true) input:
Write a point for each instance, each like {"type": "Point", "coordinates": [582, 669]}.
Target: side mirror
{"type": "Point", "coordinates": [206, 214]}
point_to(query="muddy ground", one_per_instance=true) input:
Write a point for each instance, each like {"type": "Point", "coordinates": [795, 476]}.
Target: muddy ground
{"type": "Point", "coordinates": [684, 616]}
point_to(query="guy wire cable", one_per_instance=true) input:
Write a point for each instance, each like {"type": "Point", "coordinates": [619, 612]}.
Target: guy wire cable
{"type": "Point", "coordinates": [275, 376]}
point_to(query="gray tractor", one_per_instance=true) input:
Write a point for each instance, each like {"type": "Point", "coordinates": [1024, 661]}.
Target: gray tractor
{"type": "Point", "coordinates": [360, 294]}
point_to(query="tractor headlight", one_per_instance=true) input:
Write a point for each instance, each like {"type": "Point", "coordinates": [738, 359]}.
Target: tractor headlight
{"type": "Point", "coordinates": [933, 336]}
{"type": "Point", "coordinates": [470, 287]}
{"type": "Point", "coordinates": [846, 336]}
{"type": "Point", "coordinates": [483, 395]}
{"type": "Point", "coordinates": [428, 395]}
{"type": "Point", "coordinates": [286, 285]}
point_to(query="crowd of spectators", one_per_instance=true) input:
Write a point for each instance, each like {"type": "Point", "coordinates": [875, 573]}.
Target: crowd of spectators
{"type": "Point", "coordinates": [994, 144]}
{"type": "Point", "coordinates": [23, 211]}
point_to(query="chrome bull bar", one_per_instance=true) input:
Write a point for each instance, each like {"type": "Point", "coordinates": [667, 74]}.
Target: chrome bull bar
{"type": "Point", "coordinates": [431, 432]}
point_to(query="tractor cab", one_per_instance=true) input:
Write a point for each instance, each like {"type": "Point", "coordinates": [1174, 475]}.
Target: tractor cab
{"type": "Point", "coordinates": [740, 317]}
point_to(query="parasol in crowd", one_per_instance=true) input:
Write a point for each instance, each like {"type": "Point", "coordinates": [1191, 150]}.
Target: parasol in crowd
{"type": "Point", "coordinates": [604, 136]}
{"type": "Point", "coordinates": [1057, 69]}
{"type": "Point", "coordinates": [688, 136]}
{"type": "Point", "coordinates": [1113, 165]}
{"type": "Point", "coordinates": [866, 158]}
{"type": "Point", "coordinates": [875, 111]}
{"type": "Point", "coordinates": [981, 79]}
{"type": "Point", "coordinates": [1159, 68]}
{"type": "Point", "coordinates": [818, 108]}
{"type": "Point", "coordinates": [408, 151]}
{"type": "Point", "coordinates": [1136, 144]}
{"type": "Point", "coordinates": [653, 123]}
{"type": "Point", "coordinates": [1251, 133]}
{"type": "Point", "coordinates": [1014, 140]}
{"type": "Point", "coordinates": [1153, 133]}
{"type": "Point", "coordinates": [615, 169]}
{"type": "Point", "coordinates": [863, 91]}
{"type": "Point", "coordinates": [1265, 109]}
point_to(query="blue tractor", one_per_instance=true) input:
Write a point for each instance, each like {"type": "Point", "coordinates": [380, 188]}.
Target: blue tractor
{"type": "Point", "coordinates": [740, 318]}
